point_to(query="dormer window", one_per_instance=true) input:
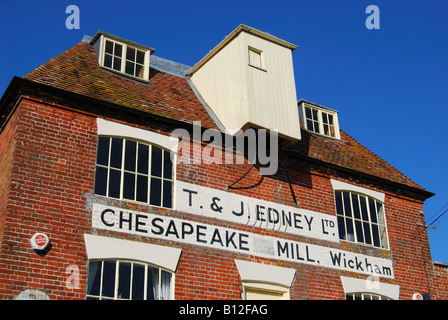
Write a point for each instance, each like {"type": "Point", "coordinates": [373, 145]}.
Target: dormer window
{"type": "Point", "coordinates": [122, 56]}
{"type": "Point", "coordinates": [319, 119]}
{"type": "Point", "coordinates": [125, 59]}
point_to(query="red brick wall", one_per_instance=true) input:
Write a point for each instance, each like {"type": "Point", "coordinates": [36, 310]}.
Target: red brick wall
{"type": "Point", "coordinates": [441, 283]}
{"type": "Point", "coordinates": [51, 171]}
{"type": "Point", "coordinates": [51, 191]}
{"type": "Point", "coordinates": [7, 147]}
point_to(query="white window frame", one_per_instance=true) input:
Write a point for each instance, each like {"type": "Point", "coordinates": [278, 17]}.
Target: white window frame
{"type": "Point", "coordinates": [117, 278]}
{"type": "Point", "coordinates": [258, 277]}
{"type": "Point", "coordinates": [265, 288]}
{"type": "Point", "coordinates": [108, 248]}
{"type": "Point", "coordinates": [376, 196]}
{"type": "Point", "coordinates": [106, 128]}
{"type": "Point", "coordinates": [259, 64]}
{"type": "Point", "coordinates": [123, 171]}
{"type": "Point", "coordinates": [145, 76]}
{"type": "Point", "coordinates": [320, 112]}
{"type": "Point", "coordinates": [370, 286]}
{"type": "Point", "coordinates": [365, 296]}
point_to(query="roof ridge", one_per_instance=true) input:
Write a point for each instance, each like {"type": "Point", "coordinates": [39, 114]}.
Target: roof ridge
{"type": "Point", "coordinates": [169, 93]}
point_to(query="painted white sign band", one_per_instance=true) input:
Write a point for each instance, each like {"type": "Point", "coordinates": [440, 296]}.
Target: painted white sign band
{"type": "Point", "coordinates": [228, 206]}
{"type": "Point", "coordinates": [173, 229]}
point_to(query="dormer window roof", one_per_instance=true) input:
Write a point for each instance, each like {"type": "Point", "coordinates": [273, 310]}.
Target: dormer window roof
{"type": "Point", "coordinates": [122, 56]}
{"type": "Point", "coordinates": [319, 119]}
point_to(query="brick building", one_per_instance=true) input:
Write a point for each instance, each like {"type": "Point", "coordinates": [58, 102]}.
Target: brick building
{"type": "Point", "coordinates": [128, 176]}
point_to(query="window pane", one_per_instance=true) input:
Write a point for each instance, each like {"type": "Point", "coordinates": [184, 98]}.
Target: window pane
{"type": "Point", "coordinates": [355, 204]}
{"type": "Point", "coordinates": [138, 282]}
{"type": "Point", "coordinates": [117, 64]}
{"type": "Point", "coordinates": [316, 127]}
{"type": "Point", "coordinates": [255, 58]}
{"type": "Point", "coordinates": [124, 280]}
{"type": "Point", "coordinates": [142, 188]}
{"type": "Point", "coordinates": [364, 212]}
{"type": "Point", "coordinates": [372, 208]}
{"type": "Point", "coordinates": [314, 114]}
{"type": "Point", "coordinates": [347, 205]}
{"type": "Point", "coordinates": [94, 278]}
{"type": "Point", "coordinates": [167, 165]}
{"type": "Point", "coordinates": [156, 192]}
{"type": "Point", "coordinates": [152, 285]}
{"type": "Point", "coordinates": [102, 155]}
{"type": "Point", "coordinates": [130, 155]}
{"type": "Point", "coordinates": [349, 226]}
{"type": "Point", "coordinates": [307, 113]}
{"type": "Point", "coordinates": [339, 207]}
{"type": "Point", "coordinates": [116, 153]}
{"type": "Point", "coordinates": [156, 162]}
{"type": "Point", "coordinates": [380, 213]}
{"type": "Point", "coordinates": [118, 49]}
{"type": "Point", "coordinates": [109, 47]}
{"type": "Point", "coordinates": [143, 154]}
{"type": "Point", "coordinates": [140, 57]}
{"type": "Point", "coordinates": [108, 61]}
{"type": "Point", "coordinates": [359, 231]}
{"type": "Point", "coordinates": [375, 235]}
{"type": "Point", "coordinates": [129, 186]}
{"type": "Point", "coordinates": [114, 183]}
{"type": "Point", "coordinates": [167, 193]}
{"type": "Point", "coordinates": [165, 287]}
{"type": "Point", "coordinates": [324, 118]}
{"type": "Point", "coordinates": [101, 181]}
{"type": "Point", "coordinates": [383, 236]}
{"type": "Point", "coordinates": [367, 235]}
{"type": "Point", "coordinates": [108, 279]}
{"type": "Point", "coordinates": [341, 228]}
{"type": "Point", "coordinates": [130, 54]}
{"type": "Point", "coordinates": [309, 125]}
{"type": "Point", "coordinates": [138, 71]}
{"type": "Point", "coordinates": [129, 68]}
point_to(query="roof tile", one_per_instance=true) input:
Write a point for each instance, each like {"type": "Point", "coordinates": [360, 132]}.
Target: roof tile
{"type": "Point", "coordinates": [171, 96]}
{"type": "Point", "coordinates": [166, 95]}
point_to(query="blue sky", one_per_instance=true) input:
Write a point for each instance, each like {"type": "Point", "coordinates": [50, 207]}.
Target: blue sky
{"type": "Point", "coordinates": [390, 85]}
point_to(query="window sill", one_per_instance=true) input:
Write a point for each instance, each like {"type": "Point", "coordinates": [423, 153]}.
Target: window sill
{"type": "Point", "coordinates": [130, 203]}
{"type": "Point", "coordinates": [364, 245]}
{"type": "Point", "coordinates": [323, 135]}
{"type": "Point", "coordinates": [258, 68]}
{"type": "Point", "coordinates": [146, 81]}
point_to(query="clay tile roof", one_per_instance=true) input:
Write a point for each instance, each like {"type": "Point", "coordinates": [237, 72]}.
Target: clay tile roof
{"type": "Point", "coordinates": [77, 70]}
{"type": "Point", "coordinates": [167, 95]}
{"type": "Point", "coordinates": [349, 154]}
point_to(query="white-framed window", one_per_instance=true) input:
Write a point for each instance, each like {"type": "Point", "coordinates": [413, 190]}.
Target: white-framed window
{"type": "Point", "coordinates": [369, 289]}
{"type": "Point", "coordinates": [255, 58]}
{"type": "Point", "coordinates": [320, 120]}
{"type": "Point", "coordinates": [264, 291]}
{"type": "Point", "coordinates": [361, 219]}
{"type": "Point", "coordinates": [128, 280]}
{"type": "Point", "coordinates": [129, 169]}
{"type": "Point", "coordinates": [126, 59]}
{"type": "Point", "coordinates": [365, 296]}
{"type": "Point", "coordinates": [264, 282]}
